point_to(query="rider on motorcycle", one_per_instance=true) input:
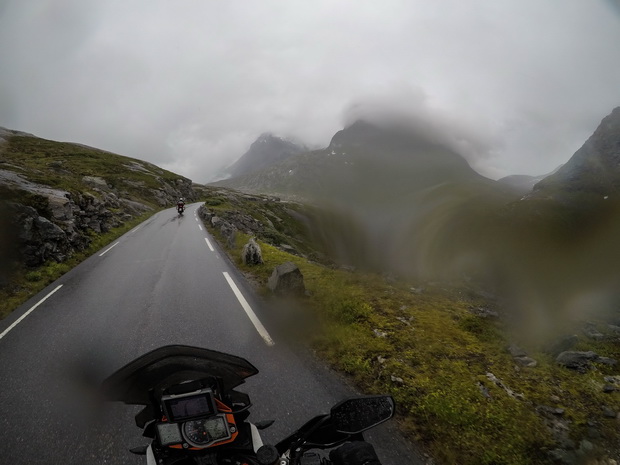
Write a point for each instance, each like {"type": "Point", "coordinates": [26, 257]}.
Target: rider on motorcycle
{"type": "Point", "coordinates": [181, 204]}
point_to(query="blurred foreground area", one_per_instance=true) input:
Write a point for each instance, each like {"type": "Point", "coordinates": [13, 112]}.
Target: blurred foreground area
{"type": "Point", "coordinates": [549, 264]}
{"type": "Point", "coordinates": [463, 326]}
{"type": "Point", "coordinates": [398, 199]}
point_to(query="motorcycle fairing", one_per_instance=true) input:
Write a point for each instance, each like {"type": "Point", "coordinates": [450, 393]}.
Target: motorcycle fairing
{"type": "Point", "coordinates": [170, 365]}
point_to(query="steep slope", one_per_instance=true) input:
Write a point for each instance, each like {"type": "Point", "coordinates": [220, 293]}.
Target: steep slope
{"type": "Point", "coordinates": [265, 151]}
{"type": "Point", "coordinates": [593, 170]}
{"type": "Point", "coordinates": [60, 195]}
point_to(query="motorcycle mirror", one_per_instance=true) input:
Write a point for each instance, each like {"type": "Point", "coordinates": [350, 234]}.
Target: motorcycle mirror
{"type": "Point", "coordinates": [357, 414]}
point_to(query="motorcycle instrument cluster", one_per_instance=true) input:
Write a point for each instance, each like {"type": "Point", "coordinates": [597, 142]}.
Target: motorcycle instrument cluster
{"type": "Point", "coordinates": [203, 433]}
{"type": "Point", "coordinates": [193, 414]}
{"type": "Point", "coordinates": [194, 420]}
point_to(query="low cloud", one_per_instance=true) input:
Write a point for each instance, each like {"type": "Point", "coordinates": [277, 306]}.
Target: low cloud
{"type": "Point", "coordinates": [517, 86]}
{"type": "Point", "coordinates": [410, 109]}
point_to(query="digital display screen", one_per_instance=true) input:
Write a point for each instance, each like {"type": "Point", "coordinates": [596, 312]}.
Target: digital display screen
{"type": "Point", "coordinates": [217, 428]}
{"type": "Point", "coordinates": [182, 408]}
{"type": "Point", "coordinates": [169, 433]}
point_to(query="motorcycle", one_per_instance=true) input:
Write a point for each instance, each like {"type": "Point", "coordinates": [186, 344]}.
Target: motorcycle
{"type": "Point", "coordinates": [192, 413]}
{"type": "Point", "coordinates": [180, 208]}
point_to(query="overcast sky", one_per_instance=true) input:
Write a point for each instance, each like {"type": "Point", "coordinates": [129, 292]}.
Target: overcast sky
{"type": "Point", "coordinates": [189, 84]}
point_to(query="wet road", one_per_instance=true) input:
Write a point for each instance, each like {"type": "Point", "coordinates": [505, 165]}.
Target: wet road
{"type": "Point", "coordinates": [165, 282]}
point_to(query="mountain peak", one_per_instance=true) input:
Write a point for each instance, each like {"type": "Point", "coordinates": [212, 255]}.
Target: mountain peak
{"type": "Point", "coordinates": [595, 167]}
{"type": "Point", "coordinates": [606, 137]}
{"type": "Point", "coordinates": [359, 133]}
{"type": "Point", "coordinates": [266, 150]}
{"type": "Point", "coordinates": [399, 143]}
{"type": "Point", "coordinates": [266, 137]}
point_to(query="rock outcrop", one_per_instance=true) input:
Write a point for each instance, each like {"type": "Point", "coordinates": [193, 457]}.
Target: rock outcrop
{"type": "Point", "coordinates": [65, 222]}
{"type": "Point", "coordinates": [39, 238]}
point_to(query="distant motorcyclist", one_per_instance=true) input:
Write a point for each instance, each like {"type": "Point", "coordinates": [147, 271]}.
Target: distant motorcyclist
{"type": "Point", "coordinates": [181, 205]}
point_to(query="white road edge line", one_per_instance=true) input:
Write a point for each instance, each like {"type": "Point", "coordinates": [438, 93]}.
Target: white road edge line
{"type": "Point", "coordinates": [135, 229]}
{"type": "Point", "coordinates": [6, 331]}
{"type": "Point", "coordinates": [196, 220]}
{"type": "Point", "coordinates": [107, 250]}
{"type": "Point", "coordinates": [209, 244]}
{"type": "Point", "coordinates": [253, 318]}
{"type": "Point", "coordinates": [200, 227]}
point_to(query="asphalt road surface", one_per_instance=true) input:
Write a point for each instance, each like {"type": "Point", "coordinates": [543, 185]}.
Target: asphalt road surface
{"type": "Point", "coordinates": [164, 282]}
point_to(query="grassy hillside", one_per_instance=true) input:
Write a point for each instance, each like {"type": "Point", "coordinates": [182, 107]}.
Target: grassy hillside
{"type": "Point", "coordinates": [441, 349]}
{"type": "Point", "coordinates": [60, 202]}
{"type": "Point", "coordinates": [62, 165]}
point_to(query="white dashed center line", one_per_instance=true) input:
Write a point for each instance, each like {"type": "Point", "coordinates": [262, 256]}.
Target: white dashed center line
{"type": "Point", "coordinates": [6, 331]}
{"type": "Point", "coordinates": [209, 244]}
{"type": "Point", "coordinates": [107, 250]}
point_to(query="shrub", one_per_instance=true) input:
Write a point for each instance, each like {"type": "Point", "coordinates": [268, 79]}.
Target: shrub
{"type": "Point", "coordinates": [33, 276]}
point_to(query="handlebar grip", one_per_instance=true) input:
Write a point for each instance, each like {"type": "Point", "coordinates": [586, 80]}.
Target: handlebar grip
{"type": "Point", "coordinates": [355, 453]}
{"type": "Point", "coordinates": [267, 455]}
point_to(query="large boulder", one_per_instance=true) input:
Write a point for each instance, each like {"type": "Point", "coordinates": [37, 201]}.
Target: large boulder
{"type": "Point", "coordinates": [251, 253]}
{"type": "Point", "coordinates": [205, 214]}
{"type": "Point", "coordinates": [287, 279]}
{"type": "Point", "coordinates": [580, 361]}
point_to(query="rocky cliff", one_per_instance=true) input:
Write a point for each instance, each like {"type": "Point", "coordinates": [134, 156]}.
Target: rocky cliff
{"type": "Point", "coordinates": [58, 196]}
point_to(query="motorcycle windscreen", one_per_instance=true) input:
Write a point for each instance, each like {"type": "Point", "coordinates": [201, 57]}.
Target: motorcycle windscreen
{"type": "Point", "coordinates": [170, 365]}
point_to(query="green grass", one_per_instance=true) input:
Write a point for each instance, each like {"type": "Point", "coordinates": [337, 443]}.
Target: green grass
{"type": "Point", "coordinates": [442, 352]}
